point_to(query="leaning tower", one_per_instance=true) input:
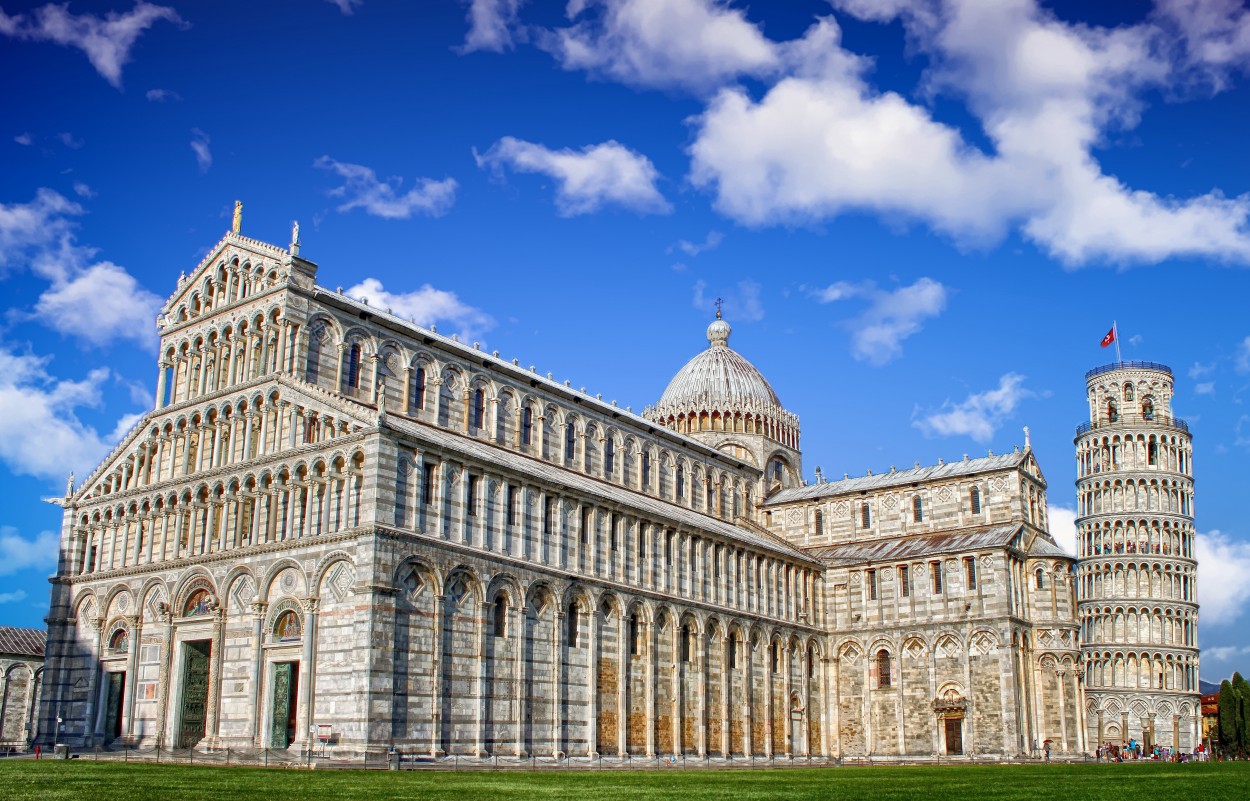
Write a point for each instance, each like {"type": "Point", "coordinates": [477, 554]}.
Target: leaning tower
{"type": "Point", "coordinates": [1137, 572]}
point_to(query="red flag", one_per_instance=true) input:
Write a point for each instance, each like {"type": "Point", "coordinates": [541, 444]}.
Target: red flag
{"type": "Point", "coordinates": [1109, 338]}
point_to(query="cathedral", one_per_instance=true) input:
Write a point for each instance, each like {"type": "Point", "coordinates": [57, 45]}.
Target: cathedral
{"type": "Point", "coordinates": [337, 527]}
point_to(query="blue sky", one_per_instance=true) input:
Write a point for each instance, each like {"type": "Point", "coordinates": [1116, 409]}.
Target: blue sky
{"type": "Point", "coordinates": [922, 215]}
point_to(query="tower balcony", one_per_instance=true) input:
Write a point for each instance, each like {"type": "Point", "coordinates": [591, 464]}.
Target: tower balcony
{"type": "Point", "coordinates": [1158, 420]}
{"type": "Point", "coordinates": [1107, 368]}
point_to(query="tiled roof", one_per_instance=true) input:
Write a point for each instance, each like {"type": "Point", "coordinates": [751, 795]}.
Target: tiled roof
{"type": "Point", "coordinates": [588, 487]}
{"type": "Point", "coordinates": [22, 642]}
{"type": "Point", "coordinates": [917, 546]}
{"type": "Point", "coordinates": [914, 476]}
{"type": "Point", "coordinates": [1044, 547]}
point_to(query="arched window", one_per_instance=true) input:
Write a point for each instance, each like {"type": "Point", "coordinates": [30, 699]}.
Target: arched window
{"type": "Point", "coordinates": [120, 641]}
{"type": "Point", "coordinates": [687, 639]}
{"type": "Point", "coordinates": [479, 409]}
{"type": "Point", "coordinates": [527, 426]}
{"type": "Point", "coordinates": [646, 470]}
{"type": "Point", "coordinates": [820, 522]}
{"type": "Point", "coordinates": [1148, 409]}
{"type": "Point", "coordinates": [1113, 413]}
{"type": "Point", "coordinates": [733, 651]}
{"type": "Point", "coordinates": [353, 366]}
{"type": "Point", "coordinates": [418, 391]}
{"type": "Point", "coordinates": [501, 616]}
{"type": "Point", "coordinates": [609, 456]}
{"type": "Point", "coordinates": [865, 515]}
{"type": "Point", "coordinates": [883, 668]}
{"type": "Point", "coordinates": [570, 441]}
{"type": "Point", "coordinates": [681, 482]}
{"type": "Point", "coordinates": [917, 509]}
{"type": "Point", "coordinates": [974, 500]}
{"type": "Point", "coordinates": [200, 603]}
{"type": "Point", "coordinates": [1040, 576]}
{"type": "Point", "coordinates": [635, 635]}
{"type": "Point", "coordinates": [777, 470]}
{"type": "Point", "coordinates": [573, 625]}
{"type": "Point", "coordinates": [287, 627]}
{"type": "Point", "coordinates": [1128, 392]}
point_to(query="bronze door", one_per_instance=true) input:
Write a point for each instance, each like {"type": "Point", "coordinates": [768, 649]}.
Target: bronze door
{"type": "Point", "coordinates": [954, 736]}
{"type": "Point", "coordinates": [113, 707]}
{"type": "Point", "coordinates": [282, 721]}
{"type": "Point", "coordinates": [194, 693]}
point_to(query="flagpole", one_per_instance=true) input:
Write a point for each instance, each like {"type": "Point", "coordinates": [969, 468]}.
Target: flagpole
{"type": "Point", "coordinates": [1115, 330]}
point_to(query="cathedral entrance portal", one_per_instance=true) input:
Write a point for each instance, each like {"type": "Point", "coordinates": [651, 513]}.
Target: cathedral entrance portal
{"type": "Point", "coordinates": [282, 718]}
{"type": "Point", "coordinates": [194, 693]}
{"type": "Point", "coordinates": [954, 736]}
{"type": "Point", "coordinates": [115, 687]}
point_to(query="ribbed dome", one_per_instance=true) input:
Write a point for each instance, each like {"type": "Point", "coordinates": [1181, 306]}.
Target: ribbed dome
{"type": "Point", "coordinates": [719, 378]}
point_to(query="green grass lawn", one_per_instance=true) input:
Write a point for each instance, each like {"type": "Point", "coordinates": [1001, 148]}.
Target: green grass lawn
{"type": "Point", "coordinates": [111, 781]}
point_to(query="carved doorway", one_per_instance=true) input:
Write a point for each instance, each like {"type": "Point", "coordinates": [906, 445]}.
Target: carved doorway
{"type": "Point", "coordinates": [282, 719]}
{"type": "Point", "coordinates": [194, 715]}
{"type": "Point", "coordinates": [954, 736]}
{"type": "Point", "coordinates": [115, 687]}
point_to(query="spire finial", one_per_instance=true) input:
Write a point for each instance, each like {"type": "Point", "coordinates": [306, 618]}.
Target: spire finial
{"type": "Point", "coordinates": [719, 302]}
{"type": "Point", "coordinates": [237, 225]}
{"type": "Point", "coordinates": [1026, 438]}
{"type": "Point", "coordinates": [295, 243]}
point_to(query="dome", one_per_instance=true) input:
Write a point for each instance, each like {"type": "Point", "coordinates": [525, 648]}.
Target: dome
{"type": "Point", "coordinates": [719, 378]}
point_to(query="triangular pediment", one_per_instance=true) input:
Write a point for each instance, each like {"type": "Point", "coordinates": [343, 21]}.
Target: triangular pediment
{"type": "Point", "coordinates": [1030, 466]}
{"type": "Point", "coordinates": [230, 250]}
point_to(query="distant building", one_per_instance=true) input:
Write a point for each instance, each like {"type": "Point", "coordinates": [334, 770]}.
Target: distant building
{"type": "Point", "coordinates": [1210, 718]}
{"type": "Point", "coordinates": [335, 518]}
{"type": "Point", "coordinates": [21, 679]}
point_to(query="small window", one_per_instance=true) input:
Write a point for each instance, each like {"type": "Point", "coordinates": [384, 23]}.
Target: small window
{"type": "Point", "coordinates": [974, 500]}
{"type": "Point", "coordinates": [883, 668]}
{"type": "Point", "coordinates": [527, 426]}
{"type": "Point", "coordinates": [1148, 409]}
{"type": "Point", "coordinates": [687, 638]}
{"type": "Point", "coordinates": [733, 651]}
{"type": "Point", "coordinates": [646, 470]}
{"type": "Point", "coordinates": [668, 547]}
{"type": "Point", "coordinates": [820, 523]}
{"type": "Point", "coordinates": [570, 442]}
{"type": "Point", "coordinates": [1152, 452]}
{"type": "Point", "coordinates": [549, 506]}
{"type": "Point", "coordinates": [479, 409]}
{"type": "Point", "coordinates": [427, 483]}
{"type": "Point", "coordinates": [614, 531]}
{"type": "Point", "coordinates": [970, 571]}
{"type": "Point", "coordinates": [870, 579]}
{"type": "Point", "coordinates": [1128, 392]}
{"type": "Point", "coordinates": [811, 662]}
{"type": "Point", "coordinates": [512, 505]}
{"type": "Point", "coordinates": [587, 521]}
{"type": "Point", "coordinates": [642, 543]}
{"type": "Point", "coordinates": [1040, 576]}
{"type": "Point", "coordinates": [1113, 413]}
{"type": "Point", "coordinates": [501, 616]}
{"type": "Point", "coordinates": [573, 625]}
{"type": "Point", "coordinates": [936, 570]}
{"type": "Point", "coordinates": [353, 367]}
{"type": "Point", "coordinates": [904, 581]}
{"type": "Point", "coordinates": [917, 509]}
{"type": "Point", "coordinates": [681, 482]}
{"type": "Point", "coordinates": [609, 456]}
{"type": "Point", "coordinates": [865, 515]}
{"type": "Point", "coordinates": [635, 635]}
{"type": "Point", "coordinates": [776, 657]}
{"type": "Point", "coordinates": [707, 492]}
{"type": "Point", "coordinates": [777, 470]}
{"type": "Point", "coordinates": [470, 500]}
{"type": "Point", "coordinates": [419, 390]}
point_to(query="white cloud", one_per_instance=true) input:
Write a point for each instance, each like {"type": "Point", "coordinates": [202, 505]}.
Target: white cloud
{"type": "Point", "coordinates": [605, 174]}
{"type": "Point", "coordinates": [426, 306]}
{"type": "Point", "coordinates": [1223, 564]}
{"type": "Point", "coordinates": [1241, 360]}
{"type": "Point", "coordinates": [40, 433]}
{"type": "Point", "coordinates": [492, 25]}
{"type": "Point", "coordinates": [892, 316]}
{"type": "Point", "coordinates": [363, 190]}
{"type": "Point", "coordinates": [979, 415]}
{"type": "Point", "coordinates": [692, 249]}
{"type": "Point", "coordinates": [348, 7]}
{"type": "Point", "coordinates": [696, 45]}
{"type": "Point", "coordinates": [199, 146]}
{"type": "Point", "coordinates": [742, 303]}
{"type": "Point", "coordinates": [1216, 33]}
{"type": "Point", "coordinates": [1200, 370]}
{"type": "Point", "coordinates": [823, 141]}
{"type": "Point", "coordinates": [18, 553]}
{"type": "Point", "coordinates": [1205, 388]}
{"type": "Point", "coordinates": [12, 597]}
{"type": "Point", "coordinates": [83, 190]}
{"type": "Point", "coordinates": [106, 41]}
{"type": "Point", "coordinates": [101, 305]}
{"type": "Point", "coordinates": [24, 139]}
{"type": "Point", "coordinates": [69, 140]}
{"type": "Point", "coordinates": [162, 95]}
{"type": "Point", "coordinates": [34, 230]}
{"type": "Point", "coordinates": [1062, 521]}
